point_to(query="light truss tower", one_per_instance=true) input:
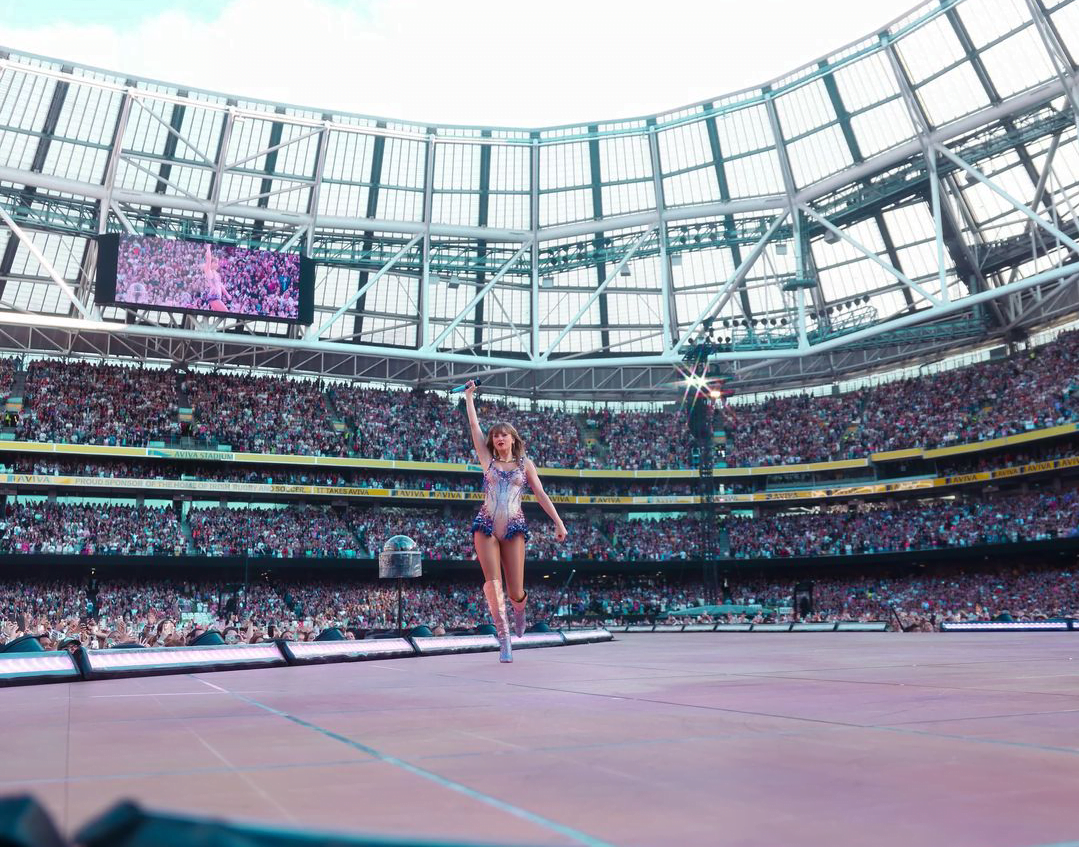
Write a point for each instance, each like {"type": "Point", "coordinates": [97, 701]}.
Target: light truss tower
{"type": "Point", "coordinates": [910, 194]}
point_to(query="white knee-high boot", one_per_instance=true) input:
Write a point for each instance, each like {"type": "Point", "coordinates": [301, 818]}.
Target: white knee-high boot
{"type": "Point", "coordinates": [496, 602]}
{"type": "Point", "coordinates": [519, 615]}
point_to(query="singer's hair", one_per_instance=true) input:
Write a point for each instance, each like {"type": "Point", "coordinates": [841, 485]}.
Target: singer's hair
{"type": "Point", "coordinates": [518, 449]}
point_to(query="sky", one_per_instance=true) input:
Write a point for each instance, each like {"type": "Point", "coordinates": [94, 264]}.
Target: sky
{"type": "Point", "coordinates": [486, 62]}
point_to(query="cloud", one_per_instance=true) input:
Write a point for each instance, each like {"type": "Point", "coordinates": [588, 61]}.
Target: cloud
{"type": "Point", "coordinates": [496, 62]}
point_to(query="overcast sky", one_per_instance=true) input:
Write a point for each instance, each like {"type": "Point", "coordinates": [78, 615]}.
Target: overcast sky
{"type": "Point", "coordinates": [492, 62]}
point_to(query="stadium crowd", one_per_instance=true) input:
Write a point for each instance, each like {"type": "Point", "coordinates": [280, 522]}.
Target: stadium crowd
{"type": "Point", "coordinates": [88, 529]}
{"type": "Point", "coordinates": [85, 403]}
{"type": "Point", "coordinates": [289, 532]}
{"type": "Point", "coordinates": [261, 414]}
{"type": "Point", "coordinates": [105, 404]}
{"type": "Point", "coordinates": [171, 612]}
{"type": "Point", "coordinates": [297, 531]}
{"type": "Point", "coordinates": [906, 526]}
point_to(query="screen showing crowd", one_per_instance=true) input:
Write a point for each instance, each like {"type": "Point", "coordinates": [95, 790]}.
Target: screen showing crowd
{"type": "Point", "coordinates": [217, 278]}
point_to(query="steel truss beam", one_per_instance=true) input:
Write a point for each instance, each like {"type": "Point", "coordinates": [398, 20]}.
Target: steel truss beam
{"type": "Point", "coordinates": [492, 258]}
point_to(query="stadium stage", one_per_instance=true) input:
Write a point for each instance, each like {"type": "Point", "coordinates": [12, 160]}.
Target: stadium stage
{"type": "Point", "coordinates": [884, 739]}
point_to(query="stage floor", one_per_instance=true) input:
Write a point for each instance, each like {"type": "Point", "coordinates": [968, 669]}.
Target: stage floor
{"type": "Point", "coordinates": [704, 738]}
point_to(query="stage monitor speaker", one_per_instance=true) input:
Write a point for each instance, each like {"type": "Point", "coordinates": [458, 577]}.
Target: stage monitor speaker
{"type": "Point", "coordinates": [24, 823]}
{"type": "Point", "coordinates": [207, 639]}
{"type": "Point", "coordinates": [23, 644]}
{"type": "Point", "coordinates": [127, 825]}
{"type": "Point", "coordinates": [484, 629]}
{"type": "Point", "coordinates": [331, 634]}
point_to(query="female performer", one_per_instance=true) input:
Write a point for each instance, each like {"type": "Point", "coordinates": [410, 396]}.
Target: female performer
{"type": "Point", "coordinates": [499, 531]}
{"type": "Point", "coordinates": [216, 292]}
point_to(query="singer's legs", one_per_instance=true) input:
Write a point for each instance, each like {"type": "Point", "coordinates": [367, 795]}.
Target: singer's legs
{"type": "Point", "coordinates": [488, 553]}
{"type": "Point", "coordinates": [513, 564]}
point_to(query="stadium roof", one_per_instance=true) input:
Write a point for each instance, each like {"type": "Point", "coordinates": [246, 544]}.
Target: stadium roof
{"type": "Point", "coordinates": [909, 194]}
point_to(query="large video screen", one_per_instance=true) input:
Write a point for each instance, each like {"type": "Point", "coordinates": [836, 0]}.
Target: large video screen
{"type": "Point", "coordinates": [195, 276]}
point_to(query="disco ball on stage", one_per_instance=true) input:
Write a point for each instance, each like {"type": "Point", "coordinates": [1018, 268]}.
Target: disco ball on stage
{"type": "Point", "coordinates": [400, 557]}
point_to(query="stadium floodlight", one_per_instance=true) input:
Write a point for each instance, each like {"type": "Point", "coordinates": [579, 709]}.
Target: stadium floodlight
{"type": "Point", "coordinates": [546, 282]}
{"type": "Point", "coordinates": [455, 281]}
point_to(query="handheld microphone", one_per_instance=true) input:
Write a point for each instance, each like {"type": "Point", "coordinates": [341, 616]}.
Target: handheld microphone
{"type": "Point", "coordinates": [458, 389]}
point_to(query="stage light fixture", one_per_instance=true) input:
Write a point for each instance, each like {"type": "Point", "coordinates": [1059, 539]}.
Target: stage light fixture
{"type": "Point", "coordinates": [102, 664]}
{"type": "Point", "coordinates": [319, 652]}
{"type": "Point", "coordinates": [24, 822]}
{"type": "Point", "coordinates": [47, 666]}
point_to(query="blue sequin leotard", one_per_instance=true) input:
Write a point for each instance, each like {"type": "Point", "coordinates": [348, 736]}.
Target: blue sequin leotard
{"type": "Point", "coordinates": [501, 514]}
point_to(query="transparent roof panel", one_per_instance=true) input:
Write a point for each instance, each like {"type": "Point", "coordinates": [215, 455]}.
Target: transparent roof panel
{"type": "Point", "coordinates": [842, 124]}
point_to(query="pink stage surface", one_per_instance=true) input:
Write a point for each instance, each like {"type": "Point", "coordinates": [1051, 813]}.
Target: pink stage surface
{"type": "Point", "coordinates": [657, 739]}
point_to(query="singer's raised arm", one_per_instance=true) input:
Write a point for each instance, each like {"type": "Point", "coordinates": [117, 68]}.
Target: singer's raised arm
{"type": "Point", "coordinates": [478, 440]}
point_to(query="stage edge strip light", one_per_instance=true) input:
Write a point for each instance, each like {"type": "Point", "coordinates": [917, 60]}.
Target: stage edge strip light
{"type": "Point", "coordinates": [24, 668]}
{"type": "Point", "coordinates": [105, 663]}
{"type": "Point", "coordinates": [586, 636]}
{"type": "Point", "coordinates": [438, 644]}
{"type": "Point", "coordinates": [990, 626]}
{"type": "Point", "coordinates": [537, 639]}
{"type": "Point", "coordinates": [301, 652]}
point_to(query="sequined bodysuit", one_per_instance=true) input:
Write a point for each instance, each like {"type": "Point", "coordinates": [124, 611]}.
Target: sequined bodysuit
{"type": "Point", "coordinates": [501, 513]}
